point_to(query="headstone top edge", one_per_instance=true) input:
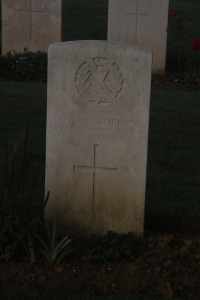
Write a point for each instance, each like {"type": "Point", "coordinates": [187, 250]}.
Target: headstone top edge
{"type": "Point", "coordinates": [100, 43]}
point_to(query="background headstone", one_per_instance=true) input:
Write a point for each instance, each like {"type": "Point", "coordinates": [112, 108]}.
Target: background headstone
{"type": "Point", "coordinates": [141, 22]}
{"type": "Point", "coordinates": [97, 130]}
{"type": "Point", "coordinates": [31, 24]}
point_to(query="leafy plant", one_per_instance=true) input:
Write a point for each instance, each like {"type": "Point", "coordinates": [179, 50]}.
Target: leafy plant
{"type": "Point", "coordinates": [114, 247]}
{"type": "Point", "coordinates": [53, 251]}
{"type": "Point", "coordinates": [36, 224]}
{"type": "Point", "coordinates": [21, 224]}
{"type": "Point", "coordinates": [25, 66]}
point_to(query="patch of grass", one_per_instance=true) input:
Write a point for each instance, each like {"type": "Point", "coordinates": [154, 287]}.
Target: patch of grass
{"type": "Point", "coordinates": [22, 152]}
{"type": "Point", "coordinates": [25, 104]}
{"type": "Point", "coordinates": [173, 184]}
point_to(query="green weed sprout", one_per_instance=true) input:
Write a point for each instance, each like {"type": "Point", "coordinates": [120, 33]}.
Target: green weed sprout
{"type": "Point", "coordinates": [54, 253]}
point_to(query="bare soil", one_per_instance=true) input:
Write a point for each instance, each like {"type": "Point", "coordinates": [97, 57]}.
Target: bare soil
{"type": "Point", "coordinates": [170, 265]}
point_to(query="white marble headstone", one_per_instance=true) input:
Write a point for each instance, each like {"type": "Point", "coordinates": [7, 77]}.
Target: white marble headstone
{"type": "Point", "coordinates": [97, 131]}
{"type": "Point", "coordinates": [141, 22]}
{"type": "Point", "coordinates": [31, 24]}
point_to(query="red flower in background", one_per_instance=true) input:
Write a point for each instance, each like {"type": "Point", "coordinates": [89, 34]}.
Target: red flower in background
{"type": "Point", "coordinates": [195, 44]}
{"type": "Point", "coordinates": [173, 13]}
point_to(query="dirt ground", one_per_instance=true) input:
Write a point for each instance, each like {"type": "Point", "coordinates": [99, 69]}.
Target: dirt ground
{"type": "Point", "coordinates": [170, 265]}
{"type": "Point", "coordinates": [177, 81]}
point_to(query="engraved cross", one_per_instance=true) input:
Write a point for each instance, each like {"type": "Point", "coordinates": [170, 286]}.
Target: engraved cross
{"type": "Point", "coordinates": [137, 14]}
{"type": "Point", "coordinates": [30, 12]}
{"type": "Point", "coordinates": [95, 169]}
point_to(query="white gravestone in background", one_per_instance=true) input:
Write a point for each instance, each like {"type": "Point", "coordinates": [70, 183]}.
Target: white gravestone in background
{"type": "Point", "coordinates": [31, 24]}
{"type": "Point", "coordinates": [141, 22]}
{"type": "Point", "coordinates": [97, 130]}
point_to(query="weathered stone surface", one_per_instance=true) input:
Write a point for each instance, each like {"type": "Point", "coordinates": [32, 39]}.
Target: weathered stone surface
{"type": "Point", "coordinates": [97, 130]}
{"type": "Point", "coordinates": [141, 22]}
{"type": "Point", "coordinates": [31, 24]}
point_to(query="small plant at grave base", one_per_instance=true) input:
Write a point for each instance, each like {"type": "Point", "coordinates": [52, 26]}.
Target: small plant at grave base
{"type": "Point", "coordinates": [20, 225]}
{"type": "Point", "coordinates": [53, 251]}
{"type": "Point", "coordinates": [28, 240]}
{"type": "Point", "coordinates": [25, 66]}
{"type": "Point", "coordinates": [188, 59]}
{"type": "Point", "coordinates": [114, 247]}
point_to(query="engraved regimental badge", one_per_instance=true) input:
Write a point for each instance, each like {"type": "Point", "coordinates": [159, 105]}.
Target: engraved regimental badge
{"type": "Point", "coordinates": [99, 80]}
